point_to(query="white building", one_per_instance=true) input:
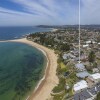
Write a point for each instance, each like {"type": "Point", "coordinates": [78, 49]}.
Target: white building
{"type": "Point", "coordinates": [80, 86]}
{"type": "Point", "coordinates": [95, 77]}
{"type": "Point", "coordinates": [88, 42]}
{"type": "Point", "coordinates": [99, 43]}
{"type": "Point", "coordinates": [84, 46]}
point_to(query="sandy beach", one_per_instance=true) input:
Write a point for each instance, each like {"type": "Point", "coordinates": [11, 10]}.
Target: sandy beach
{"type": "Point", "coordinates": [50, 79]}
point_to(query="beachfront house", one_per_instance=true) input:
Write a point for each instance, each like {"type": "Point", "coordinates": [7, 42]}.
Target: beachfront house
{"type": "Point", "coordinates": [79, 86]}
{"type": "Point", "coordinates": [80, 67]}
{"type": "Point", "coordinates": [82, 75]}
{"type": "Point", "coordinates": [94, 77]}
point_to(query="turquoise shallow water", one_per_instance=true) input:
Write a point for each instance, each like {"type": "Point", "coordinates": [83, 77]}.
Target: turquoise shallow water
{"type": "Point", "coordinates": [21, 67]}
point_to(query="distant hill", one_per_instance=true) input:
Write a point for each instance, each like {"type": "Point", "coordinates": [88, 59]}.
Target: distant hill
{"type": "Point", "coordinates": [70, 26]}
{"type": "Point", "coordinates": [57, 26]}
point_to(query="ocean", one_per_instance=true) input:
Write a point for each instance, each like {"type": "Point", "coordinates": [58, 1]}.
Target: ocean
{"type": "Point", "coordinates": [21, 65]}
{"type": "Point", "coordinates": [8, 33]}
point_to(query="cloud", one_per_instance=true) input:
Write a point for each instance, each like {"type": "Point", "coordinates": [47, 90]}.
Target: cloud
{"type": "Point", "coordinates": [52, 12]}
{"type": "Point", "coordinates": [13, 18]}
{"type": "Point", "coordinates": [57, 11]}
{"type": "Point", "coordinates": [90, 12]}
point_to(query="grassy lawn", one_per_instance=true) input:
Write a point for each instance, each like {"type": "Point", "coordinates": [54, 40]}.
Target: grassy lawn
{"type": "Point", "coordinates": [62, 65]}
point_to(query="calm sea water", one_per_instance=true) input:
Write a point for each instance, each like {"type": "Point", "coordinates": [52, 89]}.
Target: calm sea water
{"type": "Point", "coordinates": [21, 66]}
{"type": "Point", "coordinates": [7, 33]}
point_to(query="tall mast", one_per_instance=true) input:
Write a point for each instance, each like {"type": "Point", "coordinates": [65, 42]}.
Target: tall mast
{"type": "Point", "coordinates": [79, 31]}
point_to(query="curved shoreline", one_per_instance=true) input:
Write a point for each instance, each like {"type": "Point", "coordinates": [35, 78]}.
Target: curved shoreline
{"type": "Point", "coordinates": [50, 79]}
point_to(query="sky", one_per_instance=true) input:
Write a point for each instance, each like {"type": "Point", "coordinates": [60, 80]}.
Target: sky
{"type": "Point", "coordinates": [48, 12]}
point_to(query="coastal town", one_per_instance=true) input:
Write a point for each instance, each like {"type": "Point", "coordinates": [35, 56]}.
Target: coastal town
{"type": "Point", "coordinates": [79, 77]}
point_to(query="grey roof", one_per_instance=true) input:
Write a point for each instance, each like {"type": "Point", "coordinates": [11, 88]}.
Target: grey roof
{"type": "Point", "coordinates": [80, 66]}
{"type": "Point", "coordinates": [87, 93]}
{"type": "Point", "coordinates": [82, 74]}
{"type": "Point", "coordinates": [82, 95]}
{"type": "Point", "coordinates": [93, 91]}
{"type": "Point", "coordinates": [98, 87]}
{"type": "Point", "coordinates": [68, 55]}
{"type": "Point", "coordinates": [65, 56]}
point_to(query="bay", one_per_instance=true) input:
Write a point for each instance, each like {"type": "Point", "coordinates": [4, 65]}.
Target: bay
{"type": "Point", "coordinates": [21, 65]}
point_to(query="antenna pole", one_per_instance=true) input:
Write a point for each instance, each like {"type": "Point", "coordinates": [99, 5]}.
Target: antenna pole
{"type": "Point", "coordinates": [79, 31]}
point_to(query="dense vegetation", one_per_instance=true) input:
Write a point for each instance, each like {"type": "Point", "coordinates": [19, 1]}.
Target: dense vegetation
{"type": "Point", "coordinates": [98, 96]}
{"type": "Point", "coordinates": [91, 57]}
{"type": "Point", "coordinates": [49, 41]}
{"type": "Point", "coordinates": [60, 87]}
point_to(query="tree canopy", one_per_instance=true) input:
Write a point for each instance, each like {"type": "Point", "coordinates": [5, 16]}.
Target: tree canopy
{"type": "Point", "coordinates": [98, 96]}
{"type": "Point", "coordinates": [91, 57]}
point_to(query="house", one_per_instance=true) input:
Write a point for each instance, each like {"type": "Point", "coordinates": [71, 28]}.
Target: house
{"type": "Point", "coordinates": [75, 52]}
{"type": "Point", "coordinates": [83, 74]}
{"type": "Point", "coordinates": [79, 86]}
{"type": "Point", "coordinates": [95, 70]}
{"type": "Point", "coordinates": [83, 57]}
{"type": "Point", "coordinates": [87, 94]}
{"type": "Point", "coordinates": [95, 77]}
{"type": "Point", "coordinates": [84, 95]}
{"type": "Point", "coordinates": [80, 67]}
{"type": "Point", "coordinates": [84, 46]}
{"type": "Point", "coordinates": [68, 56]}
{"type": "Point", "coordinates": [65, 56]}
{"type": "Point", "coordinates": [99, 43]}
{"type": "Point", "coordinates": [87, 42]}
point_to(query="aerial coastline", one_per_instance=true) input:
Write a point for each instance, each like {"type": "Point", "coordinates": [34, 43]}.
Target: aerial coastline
{"type": "Point", "coordinates": [50, 79]}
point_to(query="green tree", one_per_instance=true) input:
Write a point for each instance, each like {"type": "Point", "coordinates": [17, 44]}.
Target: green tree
{"type": "Point", "coordinates": [91, 57]}
{"type": "Point", "coordinates": [98, 96]}
{"type": "Point", "coordinates": [65, 47]}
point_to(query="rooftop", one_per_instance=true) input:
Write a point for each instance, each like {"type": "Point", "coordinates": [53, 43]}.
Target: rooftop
{"type": "Point", "coordinates": [82, 74]}
{"type": "Point", "coordinates": [96, 75]}
{"type": "Point", "coordinates": [80, 66]}
{"type": "Point", "coordinates": [80, 85]}
{"type": "Point", "coordinates": [87, 93]}
{"type": "Point", "coordinates": [82, 95]}
{"type": "Point", "coordinates": [85, 45]}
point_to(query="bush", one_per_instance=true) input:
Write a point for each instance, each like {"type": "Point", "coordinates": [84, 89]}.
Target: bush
{"type": "Point", "coordinates": [60, 87]}
{"type": "Point", "coordinates": [98, 96]}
